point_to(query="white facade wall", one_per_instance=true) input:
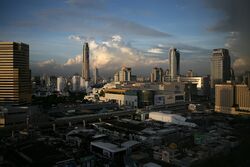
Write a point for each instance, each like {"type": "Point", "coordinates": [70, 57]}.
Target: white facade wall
{"type": "Point", "coordinates": [122, 100]}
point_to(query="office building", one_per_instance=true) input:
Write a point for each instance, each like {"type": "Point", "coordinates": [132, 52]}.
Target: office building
{"type": "Point", "coordinates": [242, 97]}
{"type": "Point", "coordinates": [232, 98]}
{"type": "Point", "coordinates": [15, 75]}
{"type": "Point", "coordinates": [85, 63]}
{"type": "Point", "coordinates": [224, 98]}
{"type": "Point", "coordinates": [61, 84]}
{"type": "Point", "coordinates": [174, 63]}
{"type": "Point", "coordinates": [202, 84]}
{"type": "Point", "coordinates": [96, 75]}
{"type": "Point", "coordinates": [76, 79]}
{"type": "Point", "coordinates": [220, 66]}
{"type": "Point", "coordinates": [157, 75]}
{"type": "Point", "coordinates": [124, 75]}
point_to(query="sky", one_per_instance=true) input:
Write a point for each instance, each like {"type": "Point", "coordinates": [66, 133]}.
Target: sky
{"type": "Point", "coordinates": [133, 33]}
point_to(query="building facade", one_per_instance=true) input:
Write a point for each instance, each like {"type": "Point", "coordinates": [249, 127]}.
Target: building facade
{"type": "Point", "coordinates": [15, 75]}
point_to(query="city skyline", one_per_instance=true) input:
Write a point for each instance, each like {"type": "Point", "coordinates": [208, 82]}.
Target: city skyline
{"type": "Point", "coordinates": [56, 30]}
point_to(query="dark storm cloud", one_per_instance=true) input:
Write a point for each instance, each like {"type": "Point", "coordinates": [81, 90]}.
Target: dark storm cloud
{"type": "Point", "coordinates": [236, 23]}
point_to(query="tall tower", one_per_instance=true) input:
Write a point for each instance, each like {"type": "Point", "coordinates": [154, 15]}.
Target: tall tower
{"type": "Point", "coordinates": [96, 75]}
{"type": "Point", "coordinates": [174, 63]}
{"type": "Point", "coordinates": [85, 63]}
{"type": "Point", "coordinates": [15, 75]}
{"type": "Point", "coordinates": [220, 66]}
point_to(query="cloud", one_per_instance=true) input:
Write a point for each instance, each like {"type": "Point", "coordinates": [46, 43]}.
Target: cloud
{"type": "Point", "coordinates": [236, 24]}
{"type": "Point", "coordinates": [108, 56]}
{"type": "Point", "coordinates": [77, 38]}
{"type": "Point", "coordinates": [73, 61]}
{"type": "Point", "coordinates": [155, 50]}
{"type": "Point", "coordinates": [183, 48]}
{"type": "Point", "coordinates": [241, 64]}
{"type": "Point", "coordinates": [46, 63]}
{"type": "Point", "coordinates": [93, 4]}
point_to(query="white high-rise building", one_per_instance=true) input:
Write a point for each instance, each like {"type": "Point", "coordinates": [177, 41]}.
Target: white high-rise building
{"type": "Point", "coordinates": [174, 63]}
{"type": "Point", "coordinates": [61, 83]}
{"type": "Point", "coordinates": [76, 79]}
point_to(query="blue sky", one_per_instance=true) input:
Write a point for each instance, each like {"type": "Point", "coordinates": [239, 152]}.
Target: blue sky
{"type": "Point", "coordinates": [147, 27]}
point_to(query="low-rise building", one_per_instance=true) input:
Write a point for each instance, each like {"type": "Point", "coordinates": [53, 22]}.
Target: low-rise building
{"type": "Point", "coordinates": [123, 97]}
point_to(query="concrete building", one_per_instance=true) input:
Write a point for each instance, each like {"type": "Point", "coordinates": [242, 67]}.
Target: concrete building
{"type": "Point", "coordinates": [232, 99]}
{"type": "Point", "coordinates": [85, 63]}
{"type": "Point", "coordinates": [220, 66]}
{"type": "Point", "coordinates": [15, 75]}
{"type": "Point", "coordinates": [122, 97]}
{"type": "Point", "coordinates": [76, 79]}
{"type": "Point", "coordinates": [61, 84]}
{"type": "Point", "coordinates": [242, 97]}
{"type": "Point", "coordinates": [109, 151]}
{"type": "Point", "coordinates": [141, 95]}
{"type": "Point", "coordinates": [157, 75]}
{"type": "Point", "coordinates": [202, 84]}
{"type": "Point", "coordinates": [224, 98]}
{"type": "Point", "coordinates": [13, 116]}
{"type": "Point", "coordinates": [170, 118]}
{"type": "Point", "coordinates": [124, 75]}
{"type": "Point", "coordinates": [174, 63]}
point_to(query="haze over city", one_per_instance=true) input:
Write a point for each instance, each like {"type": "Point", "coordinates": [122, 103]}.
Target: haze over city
{"type": "Point", "coordinates": [137, 34]}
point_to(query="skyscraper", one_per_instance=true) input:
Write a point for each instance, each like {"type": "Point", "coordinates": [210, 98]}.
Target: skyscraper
{"type": "Point", "coordinates": [85, 63]}
{"type": "Point", "coordinates": [15, 75]}
{"type": "Point", "coordinates": [76, 80]}
{"type": "Point", "coordinates": [157, 75]}
{"type": "Point", "coordinates": [220, 66]}
{"type": "Point", "coordinates": [96, 75]}
{"type": "Point", "coordinates": [61, 84]}
{"type": "Point", "coordinates": [174, 63]}
{"type": "Point", "coordinates": [124, 75]}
